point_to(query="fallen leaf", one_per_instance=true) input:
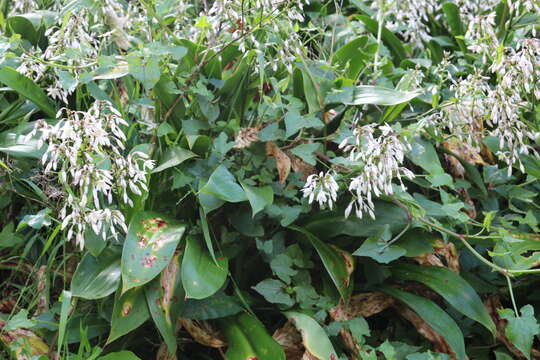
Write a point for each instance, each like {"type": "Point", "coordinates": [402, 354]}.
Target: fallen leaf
{"type": "Point", "coordinates": [366, 305]}
{"type": "Point", "coordinates": [300, 166]}
{"type": "Point", "coordinates": [439, 343]}
{"type": "Point", "coordinates": [283, 162]}
{"type": "Point", "coordinates": [203, 333]}
{"type": "Point", "coordinates": [291, 340]}
{"type": "Point", "coordinates": [463, 150]}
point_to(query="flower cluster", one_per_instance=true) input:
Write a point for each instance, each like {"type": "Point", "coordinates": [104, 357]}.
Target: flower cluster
{"type": "Point", "coordinates": [381, 158]}
{"type": "Point", "coordinates": [322, 187]}
{"type": "Point", "coordinates": [85, 150]}
{"type": "Point", "coordinates": [482, 110]}
{"type": "Point", "coordinates": [412, 17]}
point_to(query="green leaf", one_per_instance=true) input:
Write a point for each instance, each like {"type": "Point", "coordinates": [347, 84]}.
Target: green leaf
{"type": "Point", "coordinates": [389, 39]}
{"type": "Point", "coordinates": [28, 89]}
{"type": "Point", "coordinates": [330, 224]}
{"type": "Point", "coordinates": [148, 248]}
{"type": "Point", "coordinates": [294, 121]}
{"type": "Point", "coordinates": [8, 238]}
{"type": "Point", "coordinates": [165, 299]}
{"type": "Point", "coordinates": [19, 321]}
{"type": "Point", "coordinates": [130, 311]}
{"type": "Point", "coordinates": [439, 320]}
{"type": "Point", "coordinates": [368, 94]}
{"type": "Point", "coordinates": [424, 155]}
{"type": "Point", "coordinates": [223, 185]}
{"type": "Point", "coordinates": [351, 55]}
{"type": "Point", "coordinates": [213, 307]}
{"type": "Point", "coordinates": [451, 287]}
{"type": "Point", "coordinates": [306, 152]}
{"type": "Point", "coordinates": [23, 26]}
{"type": "Point", "coordinates": [97, 277]}
{"type": "Point", "coordinates": [201, 277]}
{"type": "Point", "coordinates": [120, 355]}
{"type": "Point", "coordinates": [332, 260]}
{"type": "Point", "coordinates": [376, 249]}
{"type": "Point", "coordinates": [248, 339]}
{"type": "Point", "coordinates": [314, 337]}
{"type": "Point", "coordinates": [172, 157]}
{"type": "Point", "coordinates": [144, 69]}
{"type": "Point", "coordinates": [259, 197]}
{"type": "Point", "coordinates": [273, 292]}
{"type": "Point", "coordinates": [452, 13]}
{"type": "Point", "coordinates": [521, 330]}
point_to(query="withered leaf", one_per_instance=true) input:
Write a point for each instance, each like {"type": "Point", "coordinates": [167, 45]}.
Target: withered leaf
{"type": "Point", "coordinates": [283, 162]}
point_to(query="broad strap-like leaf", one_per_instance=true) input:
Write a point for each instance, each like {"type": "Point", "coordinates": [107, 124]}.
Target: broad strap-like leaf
{"type": "Point", "coordinates": [97, 277]}
{"type": "Point", "coordinates": [438, 319]}
{"type": "Point", "coordinates": [314, 337]}
{"type": "Point", "coordinates": [148, 248]}
{"type": "Point", "coordinates": [165, 299]}
{"type": "Point", "coordinates": [369, 94]}
{"type": "Point", "coordinates": [248, 339]}
{"type": "Point", "coordinates": [452, 287]}
{"type": "Point", "coordinates": [27, 88]}
{"type": "Point", "coordinates": [130, 311]}
{"type": "Point", "coordinates": [201, 276]}
{"type": "Point", "coordinates": [334, 262]}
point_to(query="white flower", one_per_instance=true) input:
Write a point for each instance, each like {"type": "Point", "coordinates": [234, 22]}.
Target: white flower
{"type": "Point", "coordinates": [85, 148]}
{"type": "Point", "coordinates": [381, 158]}
{"type": "Point", "coordinates": [322, 187]}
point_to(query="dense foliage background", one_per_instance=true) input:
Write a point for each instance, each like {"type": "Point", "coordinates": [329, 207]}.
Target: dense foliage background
{"type": "Point", "coordinates": [264, 179]}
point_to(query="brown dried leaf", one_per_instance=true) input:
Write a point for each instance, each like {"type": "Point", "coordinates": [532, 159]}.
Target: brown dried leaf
{"type": "Point", "coordinates": [291, 341]}
{"type": "Point", "coordinates": [32, 344]}
{"type": "Point", "coordinates": [163, 353]}
{"type": "Point", "coordinates": [299, 165]}
{"type": "Point", "coordinates": [283, 162]}
{"type": "Point", "coordinates": [439, 343]}
{"type": "Point", "coordinates": [366, 305]}
{"type": "Point", "coordinates": [203, 333]}
{"type": "Point", "coordinates": [329, 116]}
{"type": "Point", "coordinates": [441, 251]}
{"type": "Point", "coordinates": [43, 303]}
{"type": "Point", "coordinates": [246, 137]}
{"type": "Point", "coordinates": [463, 150]}
{"type": "Point", "coordinates": [349, 263]}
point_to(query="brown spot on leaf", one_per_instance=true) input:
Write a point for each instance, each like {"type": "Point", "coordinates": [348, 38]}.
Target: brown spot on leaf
{"type": "Point", "coordinates": [366, 305]}
{"type": "Point", "coordinates": [149, 261]}
{"type": "Point", "coordinates": [290, 339]}
{"type": "Point", "coordinates": [126, 309]}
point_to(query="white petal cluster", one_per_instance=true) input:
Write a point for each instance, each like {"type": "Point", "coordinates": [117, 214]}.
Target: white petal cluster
{"type": "Point", "coordinates": [322, 187]}
{"type": "Point", "coordinates": [412, 17]}
{"type": "Point", "coordinates": [480, 110]}
{"type": "Point", "coordinates": [85, 149]}
{"type": "Point", "coordinates": [381, 158]}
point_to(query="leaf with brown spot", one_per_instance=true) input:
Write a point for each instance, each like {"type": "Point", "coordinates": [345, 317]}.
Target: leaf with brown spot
{"type": "Point", "coordinates": [203, 333]}
{"type": "Point", "coordinates": [32, 345]}
{"type": "Point", "coordinates": [441, 251]}
{"type": "Point", "coordinates": [283, 162]}
{"type": "Point", "coordinates": [165, 300]}
{"type": "Point", "coordinates": [149, 246]}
